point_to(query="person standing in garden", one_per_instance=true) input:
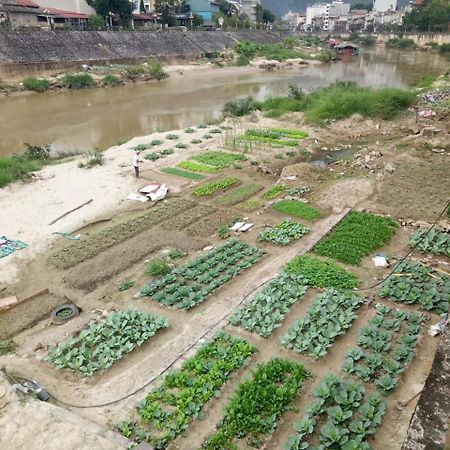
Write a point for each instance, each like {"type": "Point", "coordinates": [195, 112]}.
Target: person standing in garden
{"type": "Point", "coordinates": [136, 162]}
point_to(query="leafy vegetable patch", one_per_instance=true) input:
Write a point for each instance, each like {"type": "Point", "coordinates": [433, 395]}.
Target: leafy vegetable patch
{"type": "Point", "coordinates": [341, 416]}
{"type": "Point", "coordinates": [214, 186]}
{"type": "Point", "coordinates": [284, 233]}
{"type": "Point", "coordinates": [169, 409]}
{"type": "Point", "coordinates": [296, 208]}
{"type": "Point", "coordinates": [330, 315]}
{"type": "Point", "coordinates": [197, 167]}
{"type": "Point", "coordinates": [267, 310]}
{"type": "Point", "coordinates": [274, 191]}
{"type": "Point", "coordinates": [414, 283]}
{"type": "Point", "coordinates": [191, 283]}
{"type": "Point", "coordinates": [257, 404]}
{"type": "Point", "coordinates": [182, 173]}
{"type": "Point", "coordinates": [437, 242]}
{"type": "Point", "coordinates": [101, 344]}
{"type": "Point", "coordinates": [218, 159]}
{"type": "Point", "coordinates": [381, 358]}
{"type": "Point", "coordinates": [239, 194]}
{"type": "Point", "coordinates": [277, 136]}
{"type": "Point", "coordinates": [357, 235]}
{"type": "Point", "coordinates": [321, 273]}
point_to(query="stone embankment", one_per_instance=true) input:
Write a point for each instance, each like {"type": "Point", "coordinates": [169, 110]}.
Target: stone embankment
{"type": "Point", "coordinates": [38, 53]}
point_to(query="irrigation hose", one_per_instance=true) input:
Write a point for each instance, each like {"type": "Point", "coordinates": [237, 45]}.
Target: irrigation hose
{"type": "Point", "coordinates": [171, 364]}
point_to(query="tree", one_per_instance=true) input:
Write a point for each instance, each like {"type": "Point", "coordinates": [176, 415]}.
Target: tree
{"type": "Point", "coordinates": [263, 15]}
{"type": "Point", "coordinates": [197, 21]}
{"type": "Point", "coordinates": [168, 9]}
{"type": "Point", "coordinates": [96, 22]}
{"type": "Point", "coordinates": [122, 9]}
{"type": "Point", "coordinates": [142, 7]}
{"type": "Point", "coordinates": [268, 16]}
{"type": "Point", "coordinates": [363, 6]}
{"type": "Point", "coordinates": [431, 15]}
{"type": "Point", "coordinates": [227, 8]}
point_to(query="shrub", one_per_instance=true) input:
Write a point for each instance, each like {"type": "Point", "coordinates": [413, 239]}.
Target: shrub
{"type": "Point", "coordinates": [35, 84]}
{"type": "Point", "coordinates": [444, 48]}
{"type": "Point", "coordinates": [246, 48]}
{"type": "Point", "coordinates": [296, 209]}
{"type": "Point", "coordinates": [134, 72]}
{"type": "Point", "coordinates": [196, 141]}
{"type": "Point", "coordinates": [181, 146]}
{"type": "Point", "coordinates": [321, 273]}
{"type": "Point", "coordinates": [6, 346]}
{"type": "Point", "coordinates": [189, 130]}
{"type": "Point", "coordinates": [240, 107]}
{"type": "Point", "coordinates": [111, 80]}
{"type": "Point", "coordinates": [172, 137]}
{"type": "Point", "coordinates": [242, 60]}
{"type": "Point", "coordinates": [156, 142]}
{"type": "Point", "coordinates": [77, 81]}
{"type": "Point", "coordinates": [94, 158]}
{"type": "Point", "coordinates": [400, 43]}
{"type": "Point", "coordinates": [157, 268]}
{"type": "Point", "coordinates": [124, 285]}
{"type": "Point", "coordinates": [37, 152]}
{"type": "Point", "coordinates": [155, 69]}
{"type": "Point", "coordinates": [152, 156]}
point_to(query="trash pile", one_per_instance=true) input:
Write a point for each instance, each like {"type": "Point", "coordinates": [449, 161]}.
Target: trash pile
{"type": "Point", "coordinates": [153, 192]}
{"type": "Point", "coordinates": [433, 102]}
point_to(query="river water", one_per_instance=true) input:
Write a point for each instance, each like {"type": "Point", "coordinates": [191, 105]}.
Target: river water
{"type": "Point", "coordinates": [81, 120]}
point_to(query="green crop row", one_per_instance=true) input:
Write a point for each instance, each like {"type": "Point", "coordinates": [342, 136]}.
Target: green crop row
{"type": "Point", "coordinates": [283, 233]}
{"type": "Point", "coordinates": [191, 283]}
{"type": "Point", "coordinates": [182, 173]}
{"type": "Point", "coordinates": [268, 140]}
{"type": "Point", "coordinates": [168, 410]}
{"type": "Point", "coordinates": [214, 186]}
{"type": "Point", "coordinates": [296, 208]}
{"type": "Point", "coordinates": [330, 315]}
{"type": "Point", "coordinates": [376, 359]}
{"type": "Point", "coordinates": [159, 155]}
{"type": "Point", "coordinates": [346, 415]}
{"type": "Point", "coordinates": [197, 167]}
{"type": "Point", "coordinates": [274, 191]}
{"type": "Point", "coordinates": [239, 194]}
{"type": "Point", "coordinates": [101, 344]}
{"type": "Point", "coordinates": [218, 159]}
{"type": "Point", "coordinates": [257, 404]}
{"type": "Point", "coordinates": [321, 273]}
{"type": "Point", "coordinates": [276, 133]}
{"type": "Point", "coordinates": [437, 242]}
{"type": "Point", "coordinates": [414, 283]}
{"type": "Point", "coordinates": [267, 309]}
{"type": "Point", "coordinates": [357, 235]}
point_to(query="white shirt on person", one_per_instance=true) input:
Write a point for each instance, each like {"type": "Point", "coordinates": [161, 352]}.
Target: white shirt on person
{"type": "Point", "coordinates": [136, 160]}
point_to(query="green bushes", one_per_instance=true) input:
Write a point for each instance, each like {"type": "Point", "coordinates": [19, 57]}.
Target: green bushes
{"type": "Point", "coordinates": [77, 80]}
{"type": "Point", "coordinates": [94, 158]}
{"type": "Point", "coordinates": [242, 60]}
{"type": "Point", "coordinates": [296, 209]}
{"type": "Point", "coordinates": [35, 84]}
{"type": "Point", "coordinates": [400, 43]}
{"type": "Point", "coordinates": [111, 80]}
{"type": "Point", "coordinates": [155, 69]}
{"type": "Point", "coordinates": [278, 52]}
{"type": "Point", "coordinates": [157, 268]}
{"type": "Point", "coordinates": [358, 234]}
{"type": "Point", "coordinates": [444, 48]}
{"type": "Point", "coordinates": [134, 72]}
{"type": "Point", "coordinates": [240, 107]}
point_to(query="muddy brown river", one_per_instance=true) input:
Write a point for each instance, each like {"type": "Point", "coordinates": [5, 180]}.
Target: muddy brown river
{"type": "Point", "coordinates": [82, 120]}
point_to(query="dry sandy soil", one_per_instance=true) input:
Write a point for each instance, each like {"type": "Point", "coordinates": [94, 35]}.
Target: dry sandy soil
{"type": "Point", "coordinates": [27, 209]}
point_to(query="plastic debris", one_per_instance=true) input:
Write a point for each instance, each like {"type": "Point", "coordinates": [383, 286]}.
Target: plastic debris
{"type": "Point", "coordinates": [380, 261]}
{"type": "Point", "coordinates": [439, 327]}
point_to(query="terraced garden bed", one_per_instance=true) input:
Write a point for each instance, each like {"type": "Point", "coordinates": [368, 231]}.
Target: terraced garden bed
{"type": "Point", "coordinates": [386, 346]}
{"type": "Point", "coordinates": [239, 194]}
{"type": "Point", "coordinates": [218, 159]}
{"type": "Point", "coordinates": [296, 208]}
{"type": "Point", "coordinates": [356, 236]}
{"type": "Point", "coordinates": [268, 308]}
{"type": "Point", "coordinates": [284, 233]}
{"type": "Point", "coordinates": [329, 316]}
{"type": "Point", "coordinates": [342, 416]}
{"type": "Point", "coordinates": [191, 283]}
{"type": "Point", "coordinates": [414, 283]}
{"type": "Point", "coordinates": [169, 409]}
{"type": "Point", "coordinates": [214, 186]}
{"type": "Point", "coordinates": [253, 411]}
{"type": "Point", "coordinates": [94, 243]}
{"type": "Point", "coordinates": [101, 344]}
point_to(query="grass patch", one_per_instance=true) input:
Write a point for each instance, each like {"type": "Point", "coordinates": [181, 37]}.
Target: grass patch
{"type": "Point", "coordinates": [274, 192]}
{"type": "Point", "coordinates": [400, 43]}
{"type": "Point", "coordinates": [239, 108]}
{"type": "Point", "coordinates": [155, 69]}
{"type": "Point", "coordinates": [320, 273]}
{"type": "Point", "coordinates": [357, 235]}
{"type": "Point", "coordinates": [157, 268]}
{"type": "Point", "coordinates": [36, 84]}
{"type": "Point", "coordinates": [6, 346]}
{"type": "Point", "coordinates": [94, 158]}
{"type": "Point", "coordinates": [218, 159]}
{"type": "Point", "coordinates": [215, 186]}
{"type": "Point", "coordinates": [111, 80]}
{"type": "Point", "coordinates": [197, 167]}
{"type": "Point", "coordinates": [77, 80]}
{"type": "Point", "coordinates": [15, 168]}
{"type": "Point", "coordinates": [296, 209]}
{"type": "Point", "coordinates": [426, 82]}
{"type": "Point", "coordinates": [182, 173]}
{"type": "Point", "coordinates": [239, 194]}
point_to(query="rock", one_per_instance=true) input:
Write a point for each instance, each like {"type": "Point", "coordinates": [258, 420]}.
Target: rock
{"type": "Point", "coordinates": [389, 167]}
{"type": "Point", "coordinates": [208, 248]}
{"type": "Point", "coordinates": [438, 150]}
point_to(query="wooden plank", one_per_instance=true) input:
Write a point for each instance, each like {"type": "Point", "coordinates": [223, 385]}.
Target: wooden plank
{"type": "Point", "coordinates": [6, 303]}
{"type": "Point", "coordinates": [71, 211]}
{"type": "Point", "coordinates": [35, 295]}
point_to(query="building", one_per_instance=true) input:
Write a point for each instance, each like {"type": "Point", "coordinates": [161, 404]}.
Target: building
{"type": "Point", "coordinates": [384, 5]}
{"type": "Point", "coordinates": [205, 9]}
{"type": "Point", "coordinates": [76, 6]}
{"type": "Point", "coordinates": [57, 18]}
{"type": "Point", "coordinates": [248, 8]}
{"type": "Point", "coordinates": [295, 20]}
{"type": "Point", "coordinates": [142, 21]}
{"type": "Point", "coordinates": [149, 6]}
{"type": "Point", "coordinates": [333, 15]}
{"type": "Point", "coordinates": [16, 14]}
{"type": "Point", "coordinates": [315, 11]}
{"type": "Point", "coordinates": [357, 20]}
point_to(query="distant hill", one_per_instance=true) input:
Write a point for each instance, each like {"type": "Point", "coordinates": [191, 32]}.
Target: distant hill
{"type": "Point", "coordinates": [281, 7]}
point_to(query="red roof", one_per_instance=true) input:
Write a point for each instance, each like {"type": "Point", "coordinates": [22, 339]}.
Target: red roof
{"type": "Point", "coordinates": [27, 3]}
{"type": "Point", "coordinates": [139, 16]}
{"type": "Point", "coordinates": [64, 14]}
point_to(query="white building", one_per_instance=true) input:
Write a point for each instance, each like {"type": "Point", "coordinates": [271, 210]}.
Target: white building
{"type": "Point", "coordinates": [385, 5]}
{"type": "Point", "coordinates": [338, 11]}
{"type": "Point", "coordinates": [294, 19]}
{"type": "Point", "coordinates": [248, 8]}
{"type": "Point", "coordinates": [315, 10]}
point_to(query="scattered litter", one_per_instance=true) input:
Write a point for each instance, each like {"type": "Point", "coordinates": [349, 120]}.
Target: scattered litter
{"type": "Point", "coordinates": [380, 261]}
{"type": "Point", "coordinates": [68, 236]}
{"type": "Point", "coordinates": [427, 114]}
{"type": "Point", "coordinates": [8, 246]}
{"type": "Point", "coordinates": [150, 188]}
{"type": "Point", "coordinates": [155, 191]}
{"type": "Point", "coordinates": [290, 178]}
{"type": "Point", "coordinates": [137, 197]}
{"type": "Point", "coordinates": [241, 226]}
{"type": "Point", "coordinates": [208, 248]}
{"type": "Point", "coordinates": [439, 327]}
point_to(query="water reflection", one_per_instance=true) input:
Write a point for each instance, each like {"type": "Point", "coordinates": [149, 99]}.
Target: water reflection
{"type": "Point", "coordinates": [98, 117]}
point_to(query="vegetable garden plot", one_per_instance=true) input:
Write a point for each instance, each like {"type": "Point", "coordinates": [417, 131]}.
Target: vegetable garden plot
{"type": "Point", "coordinates": [190, 284]}
{"type": "Point", "coordinates": [214, 186]}
{"type": "Point", "coordinates": [253, 411]}
{"type": "Point", "coordinates": [167, 411]}
{"type": "Point", "coordinates": [267, 309]}
{"type": "Point", "coordinates": [239, 194]}
{"type": "Point", "coordinates": [276, 136]}
{"type": "Point", "coordinates": [284, 233]}
{"type": "Point", "coordinates": [342, 416]}
{"type": "Point", "coordinates": [415, 283]}
{"type": "Point", "coordinates": [330, 315]}
{"type": "Point", "coordinates": [357, 235]}
{"type": "Point", "coordinates": [296, 208]}
{"type": "Point", "coordinates": [385, 347]}
{"type": "Point", "coordinates": [218, 159]}
{"type": "Point", "coordinates": [437, 242]}
{"type": "Point", "coordinates": [101, 344]}
{"type": "Point", "coordinates": [321, 273]}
